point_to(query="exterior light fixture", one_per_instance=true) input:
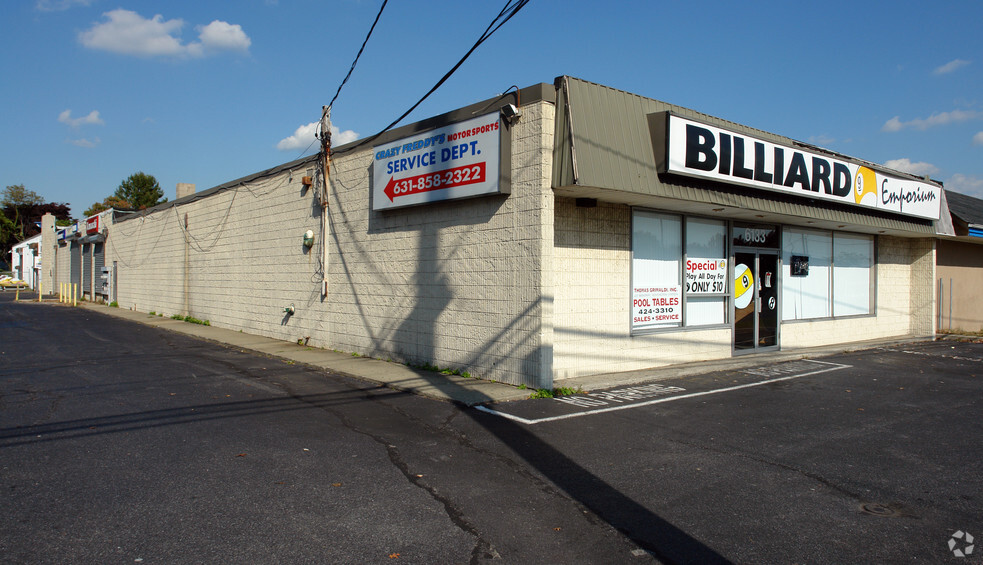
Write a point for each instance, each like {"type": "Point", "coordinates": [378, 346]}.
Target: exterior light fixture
{"type": "Point", "coordinates": [511, 113]}
{"type": "Point", "coordinates": [309, 239]}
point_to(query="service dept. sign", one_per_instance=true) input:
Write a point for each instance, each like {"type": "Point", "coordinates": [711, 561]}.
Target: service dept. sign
{"type": "Point", "coordinates": [700, 150]}
{"type": "Point", "coordinates": [456, 161]}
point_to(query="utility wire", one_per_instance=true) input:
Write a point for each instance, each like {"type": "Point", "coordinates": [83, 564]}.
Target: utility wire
{"type": "Point", "coordinates": [355, 62]}
{"type": "Point", "coordinates": [510, 9]}
{"type": "Point", "coordinates": [317, 134]}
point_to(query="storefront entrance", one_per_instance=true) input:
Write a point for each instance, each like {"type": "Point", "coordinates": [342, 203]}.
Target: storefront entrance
{"type": "Point", "coordinates": [756, 278]}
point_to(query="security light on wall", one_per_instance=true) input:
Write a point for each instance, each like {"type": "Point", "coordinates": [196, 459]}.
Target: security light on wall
{"type": "Point", "coordinates": [511, 113]}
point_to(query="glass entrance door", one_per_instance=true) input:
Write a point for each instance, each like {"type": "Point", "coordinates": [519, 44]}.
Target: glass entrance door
{"type": "Point", "coordinates": [755, 300]}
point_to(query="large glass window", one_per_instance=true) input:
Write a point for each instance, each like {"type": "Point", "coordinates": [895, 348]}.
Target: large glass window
{"type": "Point", "coordinates": [805, 290]}
{"type": "Point", "coordinates": [676, 284]}
{"type": "Point", "coordinates": [706, 272]}
{"type": "Point", "coordinates": [656, 259]}
{"type": "Point", "coordinates": [825, 275]}
{"type": "Point", "coordinates": [853, 261]}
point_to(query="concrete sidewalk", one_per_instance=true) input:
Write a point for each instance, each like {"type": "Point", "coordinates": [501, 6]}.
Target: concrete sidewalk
{"type": "Point", "coordinates": [452, 388]}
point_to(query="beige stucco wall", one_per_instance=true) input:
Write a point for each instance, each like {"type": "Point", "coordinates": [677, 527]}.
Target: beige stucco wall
{"type": "Point", "coordinates": [960, 271]}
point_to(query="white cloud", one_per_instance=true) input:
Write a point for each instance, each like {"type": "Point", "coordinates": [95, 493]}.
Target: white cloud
{"type": "Point", "coordinates": [821, 139]}
{"type": "Point", "coordinates": [965, 184]}
{"type": "Point", "coordinates": [129, 33]}
{"type": "Point", "coordinates": [91, 119]}
{"type": "Point", "coordinates": [939, 119]}
{"type": "Point", "coordinates": [303, 138]}
{"type": "Point", "coordinates": [951, 66]}
{"type": "Point", "coordinates": [220, 35]}
{"type": "Point", "coordinates": [59, 5]}
{"type": "Point", "coordinates": [978, 138]}
{"type": "Point", "coordinates": [86, 143]}
{"type": "Point", "coordinates": [905, 165]}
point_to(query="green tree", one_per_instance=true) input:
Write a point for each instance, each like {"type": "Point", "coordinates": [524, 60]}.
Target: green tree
{"type": "Point", "coordinates": [8, 233]}
{"type": "Point", "coordinates": [19, 195]}
{"type": "Point", "coordinates": [15, 198]}
{"type": "Point", "coordinates": [95, 208]}
{"type": "Point", "coordinates": [137, 192]}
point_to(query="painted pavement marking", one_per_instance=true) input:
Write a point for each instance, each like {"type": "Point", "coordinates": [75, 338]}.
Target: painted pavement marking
{"type": "Point", "coordinates": [601, 402]}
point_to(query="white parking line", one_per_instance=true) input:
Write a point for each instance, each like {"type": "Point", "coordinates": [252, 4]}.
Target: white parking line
{"type": "Point", "coordinates": [827, 367]}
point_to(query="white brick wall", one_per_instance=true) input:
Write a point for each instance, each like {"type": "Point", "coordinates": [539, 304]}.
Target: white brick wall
{"type": "Point", "coordinates": [239, 263]}
{"type": "Point", "coordinates": [524, 288]}
{"type": "Point", "coordinates": [458, 285]}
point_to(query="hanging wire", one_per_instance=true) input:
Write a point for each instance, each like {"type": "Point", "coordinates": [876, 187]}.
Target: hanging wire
{"type": "Point", "coordinates": [510, 9]}
{"type": "Point", "coordinates": [355, 62]}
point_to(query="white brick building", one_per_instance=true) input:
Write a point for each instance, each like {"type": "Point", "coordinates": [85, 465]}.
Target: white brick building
{"type": "Point", "coordinates": [585, 247]}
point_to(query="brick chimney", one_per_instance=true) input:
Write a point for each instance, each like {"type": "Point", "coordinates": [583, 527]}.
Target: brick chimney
{"type": "Point", "coordinates": [185, 189]}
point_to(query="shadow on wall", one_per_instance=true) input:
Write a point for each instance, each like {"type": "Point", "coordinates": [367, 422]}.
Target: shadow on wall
{"type": "Point", "coordinates": [441, 236]}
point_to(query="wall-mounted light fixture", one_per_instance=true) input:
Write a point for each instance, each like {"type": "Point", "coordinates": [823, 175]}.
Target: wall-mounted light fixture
{"type": "Point", "coordinates": [511, 113]}
{"type": "Point", "coordinates": [309, 239]}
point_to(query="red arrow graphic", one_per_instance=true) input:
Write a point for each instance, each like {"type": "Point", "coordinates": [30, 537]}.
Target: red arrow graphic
{"type": "Point", "coordinates": [448, 178]}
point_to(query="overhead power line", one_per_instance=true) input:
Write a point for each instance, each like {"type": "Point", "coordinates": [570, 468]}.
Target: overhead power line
{"type": "Point", "coordinates": [510, 9]}
{"type": "Point", "coordinates": [355, 62]}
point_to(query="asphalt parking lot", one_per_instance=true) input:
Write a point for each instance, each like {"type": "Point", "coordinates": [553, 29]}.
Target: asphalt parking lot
{"type": "Point", "coordinates": [122, 443]}
{"type": "Point", "coordinates": [872, 456]}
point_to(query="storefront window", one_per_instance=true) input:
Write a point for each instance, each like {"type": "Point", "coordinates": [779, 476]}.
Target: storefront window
{"type": "Point", "coordinates": [656, 261]}
{"type": "Point", "coordinates": [706, 272]}
{"type": "Point", "coordinates": [853, 261]}
{"type": "Point", "coordinates": [671, 288]}
{"type": "Point", "coordinates": [825, 275]}
{"type": "Point", "coordinates": [805, 290]}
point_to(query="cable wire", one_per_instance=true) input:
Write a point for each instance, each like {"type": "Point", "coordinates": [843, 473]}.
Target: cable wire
{"type": "Point", "coordinates": [377, 16]}
{"type": "Point", "coordinates": [503, 16]}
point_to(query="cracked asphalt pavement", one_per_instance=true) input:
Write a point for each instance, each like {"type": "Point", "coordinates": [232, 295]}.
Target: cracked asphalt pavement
{"type": "Point", "coordinates": [122, 443]}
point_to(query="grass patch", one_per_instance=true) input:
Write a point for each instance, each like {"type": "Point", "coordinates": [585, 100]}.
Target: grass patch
{"type": "Point", "coordinates": [553, 393]}
{"type": "Point", "coordinates": [191, 319]}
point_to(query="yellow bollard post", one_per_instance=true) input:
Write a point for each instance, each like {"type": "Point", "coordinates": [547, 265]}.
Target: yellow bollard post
{"type": "Point", "coordinates": [17, 295]}
{"type": "Point", "coordinates": [75, 294]}
{"type": "Point", "coordinates": [40, 291]}
{"type": "Point", "coordinates": [61, 292]}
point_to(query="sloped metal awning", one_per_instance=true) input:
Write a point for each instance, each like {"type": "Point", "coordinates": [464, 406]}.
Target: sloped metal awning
{"type": "Point", "coordinates": [603, 149]}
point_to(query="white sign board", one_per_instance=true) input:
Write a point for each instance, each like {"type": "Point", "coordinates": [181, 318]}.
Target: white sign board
{"type": "Point", "coordinates": [457, 161]}
{"type": "Point", "coordinates": [706, 276]}
{"type": "Point", "coordinates": [704, 151]}
{"type": "Point", "coordinates": [654, 307]}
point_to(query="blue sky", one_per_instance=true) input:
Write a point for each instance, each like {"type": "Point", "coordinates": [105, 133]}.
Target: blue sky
{"type": "Point", "coordinates": [206, 92]}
